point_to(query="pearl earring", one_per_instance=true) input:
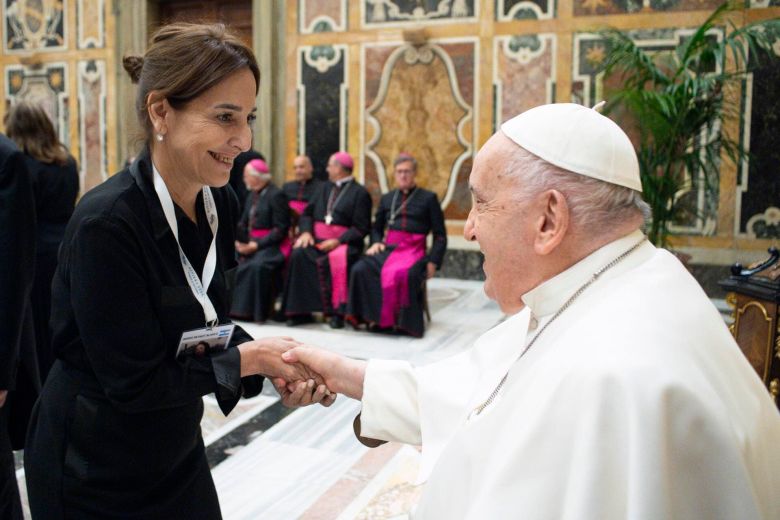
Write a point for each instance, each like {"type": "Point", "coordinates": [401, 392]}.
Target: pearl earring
{"type": "Point", "coordinates": [159, 138]}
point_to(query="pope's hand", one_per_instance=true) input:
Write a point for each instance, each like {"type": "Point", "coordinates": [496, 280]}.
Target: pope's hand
{"type": "Point", "coordinates": [303, 393]}
{"type": "Point", "coordinates": [305, 240]}
{"type": "Point", "coordinates": [263, 357]}
{"type": "Point", "coordinates": [375, 248]}
{"type": "Point", "coordinates": [340, 374]}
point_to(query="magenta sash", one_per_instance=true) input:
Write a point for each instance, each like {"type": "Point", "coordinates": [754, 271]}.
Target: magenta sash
{"type": "Point", "coordinates": [337, 259]}
{"type": "Point", "coordinates": [410, 248]}
{"type": "Point", "coordinates": [298, 206]}
{"type": "Point", "coordinates": [285, 246]}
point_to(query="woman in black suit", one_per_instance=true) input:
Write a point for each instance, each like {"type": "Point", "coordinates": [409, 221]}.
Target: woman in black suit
{"type": "Point", "coordinates": [148, 256]}
{"type": "Point", "coordinates": [55, 185]}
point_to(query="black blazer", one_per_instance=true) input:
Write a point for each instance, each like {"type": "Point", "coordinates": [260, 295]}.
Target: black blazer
{"type": "Point", "coordinates": [17, 256]}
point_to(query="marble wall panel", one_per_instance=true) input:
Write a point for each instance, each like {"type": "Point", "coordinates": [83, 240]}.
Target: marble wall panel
{"type": "Point", "coordinates": [93, 160]}
{"type": "Point", "coordinates": [34, 25]}
{"type": "Point", "coordinates": [377, 13]}
{"type": "Point", "coordinates": [523, 74]}
{"type": "Point", "coordinates": [422, 103]}
{"type": "Point", "coordinates": [45, 85]}
{"type": "Point", "coordinates": [91, 24]}
{"type": "Point", "coordinates": [758, 185]}
{"type": "Point", "coordinates": [507, 10]}
{"type": "Point", "coordinates": [601, 7]}
{"type": "Point", "coordinates": [589, 87]}
{"type": "Point", "coordinates": [756, 4]}
{"type": "Point", "coordinates": [315, 16]}
{"type": "Point", "coordinates": [322, 103]}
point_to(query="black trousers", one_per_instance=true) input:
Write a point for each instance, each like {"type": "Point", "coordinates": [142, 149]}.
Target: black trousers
{"type": "Point", "coordinates": [10, 505]}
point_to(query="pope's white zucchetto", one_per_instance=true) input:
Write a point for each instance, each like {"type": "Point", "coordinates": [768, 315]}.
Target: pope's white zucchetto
{"type": "Point", "coordinates": [578, 139]}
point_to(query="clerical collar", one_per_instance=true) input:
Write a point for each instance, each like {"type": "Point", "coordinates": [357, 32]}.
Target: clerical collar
{"type": "Point", "coordinates": [342, 182]}
{"type": "Point", "coordinates": [548, 297]}
{"type": "Point", "coordinates": [407, 192]}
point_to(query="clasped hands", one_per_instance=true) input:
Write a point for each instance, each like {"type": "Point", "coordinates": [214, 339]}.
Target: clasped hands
{"type": "Point", "coordinates": [302, 374]}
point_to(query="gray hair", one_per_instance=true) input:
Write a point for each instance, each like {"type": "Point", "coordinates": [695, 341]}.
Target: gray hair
{"type": "Point", "coordinates": [595, 205]}
{"type": "Point", "coordinates": [405, 157]}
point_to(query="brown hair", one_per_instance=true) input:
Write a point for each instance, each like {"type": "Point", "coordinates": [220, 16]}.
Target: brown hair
{"type": "Point", "coordinates": [183, 61]}
{"type": "Point", "coordinates": [28, 125]}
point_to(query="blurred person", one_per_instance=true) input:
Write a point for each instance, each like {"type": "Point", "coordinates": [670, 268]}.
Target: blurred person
{"type": "Point", "coordinates": [385, 285]}
{"type": "Point", "coordinates": [262, 245]}
{"type": "Point", "coordinates": [237, 176]}
{"type": "Point", "coordinates": [55, 185]}
{"type": "Point", "coordinates": [145, 266]}
{"type": "Point", "coordinates": [301, 190]}
{"type": "Point", "coordinates": [333, 227]}
{"type": "Point", "coordinates": [19, 382]}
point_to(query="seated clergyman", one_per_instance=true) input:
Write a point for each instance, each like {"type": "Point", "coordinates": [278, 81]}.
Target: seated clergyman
{"type": "Point", "coordinates": [301, 189]}
{"type": "Point", "coordinates": [333, 227]}
{"type": "Point", "coordinates": [262, 245]}
{"type": "Point", "coordinates": [385, 287]}
{"type": "Point", "coordinates": [613, 391]}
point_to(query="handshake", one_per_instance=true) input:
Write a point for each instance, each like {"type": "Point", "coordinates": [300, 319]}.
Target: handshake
{"type": "Point", "coordinates": [303, 374]}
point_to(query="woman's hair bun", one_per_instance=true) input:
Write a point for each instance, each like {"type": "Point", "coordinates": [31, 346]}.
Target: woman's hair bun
{"type": "Point", "coordinates": [133, 66]}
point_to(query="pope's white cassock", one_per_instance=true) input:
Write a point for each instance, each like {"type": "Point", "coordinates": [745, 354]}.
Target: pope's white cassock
{"type": "Point", "coordinates": [636, 403]}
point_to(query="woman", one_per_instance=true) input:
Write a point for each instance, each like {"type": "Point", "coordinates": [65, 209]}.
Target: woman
{"type": "Point", "coordinates": [145, 267]}
{"type": "Point", "coordinates": [262, 246]}
{"type": "Point", "coordinates": [56, 185]}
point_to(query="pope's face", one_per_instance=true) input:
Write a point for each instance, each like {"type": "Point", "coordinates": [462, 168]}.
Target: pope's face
{"type": "Point", "coordinates": [204, 137]}
{"type": "Point", "coordinates": [501, 225]}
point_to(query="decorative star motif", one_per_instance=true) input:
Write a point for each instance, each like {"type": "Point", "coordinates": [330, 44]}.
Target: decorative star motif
{"type": "Point", "coordinates": [593, 5]}
{"type": "Point", "coordinates": [595, 55]}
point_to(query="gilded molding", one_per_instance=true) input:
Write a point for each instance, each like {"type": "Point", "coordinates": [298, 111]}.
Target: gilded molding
{"type": "Point", "coordinates": [768, 319]}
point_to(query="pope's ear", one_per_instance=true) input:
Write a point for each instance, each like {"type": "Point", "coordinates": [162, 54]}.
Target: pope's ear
{"type": "Point", "coordinates": [554, 222]}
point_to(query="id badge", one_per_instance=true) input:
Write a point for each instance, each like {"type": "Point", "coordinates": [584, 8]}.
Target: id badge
{"type": "Point", "coordinates": [201, 342]}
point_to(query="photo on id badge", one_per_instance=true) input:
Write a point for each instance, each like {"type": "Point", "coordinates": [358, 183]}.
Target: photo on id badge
{"type": "Point", "coordinates": [202, 342]}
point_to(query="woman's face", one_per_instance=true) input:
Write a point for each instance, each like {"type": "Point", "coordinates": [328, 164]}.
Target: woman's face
{"type": "Point", "coordinates": [204, 137]}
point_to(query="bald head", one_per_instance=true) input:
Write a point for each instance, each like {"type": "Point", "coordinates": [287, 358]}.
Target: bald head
{"type": "Point", "coordinates": [302, 168]}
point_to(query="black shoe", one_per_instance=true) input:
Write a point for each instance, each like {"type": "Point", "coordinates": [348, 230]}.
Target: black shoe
{"type": "Point", "coordinates": [299, 319]}
{"type": "Point", "coordinates": [336, 322]}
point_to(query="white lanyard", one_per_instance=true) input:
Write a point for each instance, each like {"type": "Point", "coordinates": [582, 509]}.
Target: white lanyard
{"type": "Point", "coordinates": [198, 288]}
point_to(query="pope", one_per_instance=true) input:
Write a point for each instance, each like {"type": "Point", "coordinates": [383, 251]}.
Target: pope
{"type": "Point", "coordinates": [613, 390]}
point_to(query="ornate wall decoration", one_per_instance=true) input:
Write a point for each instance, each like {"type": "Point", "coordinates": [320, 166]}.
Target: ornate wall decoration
{"type": "Point", "coordinates": [508, 10]}
{"type": "Point", "coordinates": [420, 100]}
{"type": "Point", "coordinates": [45, 85]}
{"type": "Point", "coordinates": [316, 16]}
{"type": "Point", "coordinates": [390, 12]}
{"type": "Point", "coordinates": [523, 74]}
{"type": "Point", "coordinates": [91, 24]}
{"type": "Point", "coordinates": [32, 25]}
{"type": "Point", "coordinates": [599, 7]}
{"type": "Point", "coordinates": [588, 88]}
{"type": "Point", "coordinates": [754, 4]}
{"type": "Point", "coordinates": [93, 160]}
{"type": "Point", "coordinates": [758, 181]}
{"type": "Point", "coordinates": [322, 103]}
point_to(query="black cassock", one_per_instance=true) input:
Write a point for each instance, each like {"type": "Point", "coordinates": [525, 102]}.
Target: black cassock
{"type": "Point", "coordinates": [116, 431]}
{"type": "Point", "coordinates": [411, 215]}
{"type": "Point", "coordinates": [309, 287]}
{"type": "Point", "coordinates": [299, 194]}
{"type": "Point", "coordinates": [265, 221]}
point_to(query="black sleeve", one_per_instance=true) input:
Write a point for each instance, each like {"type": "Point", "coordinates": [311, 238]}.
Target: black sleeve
{"type": "Point", "coordinates": [306, 222]}
{"type": "Point", "coordinates": [380, 221]}
{"type": "Point", "coordinates": [280, 221]}
{"type": "Point", "coordinates": [361, 219]}
{"type": "Point", "coordinates": [121, 334]}
{"type": "Point", "coordinates": [439, 230]}
{"type": "Point", "coordinates": [17, 254]}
